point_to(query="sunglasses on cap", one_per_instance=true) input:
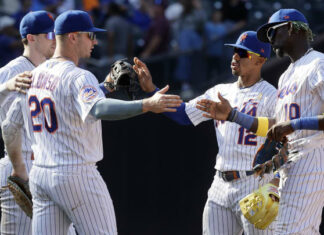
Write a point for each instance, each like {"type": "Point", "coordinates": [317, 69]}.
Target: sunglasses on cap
{"type": "Point", "coordinates": [50, 35]}
{"type": "Point", "coordinates": [272, 30]}
{"type": "Point", "coordinates": [244, 53]}
{"type": "Point", "coordinates": [91, 35]}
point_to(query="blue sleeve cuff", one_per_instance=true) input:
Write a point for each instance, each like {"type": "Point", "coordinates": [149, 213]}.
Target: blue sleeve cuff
{"type": "Point", "coordinates": [153, 92]}
{"type": "Point", "coordinates": [180, 116]}
{"type": "Point", "coordinates": [305, 123]}
{"type": "Point", "coordinates": [103, 88]}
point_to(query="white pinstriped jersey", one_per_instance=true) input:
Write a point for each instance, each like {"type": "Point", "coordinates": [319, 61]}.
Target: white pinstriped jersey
{"type": "Point", "coordinates": [237, 146]}
{"type": "Point", "coordinates": [57, 107]}
{"type": "Point", "coordinates": [301, 94]}
{"type": "Point", "coordinates": [14, 67]}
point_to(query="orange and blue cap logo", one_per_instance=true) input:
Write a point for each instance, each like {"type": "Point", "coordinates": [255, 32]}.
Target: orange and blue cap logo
{"type": "Point", "coordinates": [262, 50]}
{"type": "Point", "coordinates": [286, 17]}
{"type": "Point", "coordinates": [88, 93]}
{"type": "Point", "coordinates": [50, 16]}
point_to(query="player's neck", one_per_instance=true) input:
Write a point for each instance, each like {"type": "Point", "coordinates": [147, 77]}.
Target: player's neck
{"type": "Point", "coordinates": [297, 52]}
{"type": "Point", "coordinates": [33, 56]}
{"type": "Point", "coordinates": [248, 81]}
{"type": "Point", "coordinates": [65, 54]}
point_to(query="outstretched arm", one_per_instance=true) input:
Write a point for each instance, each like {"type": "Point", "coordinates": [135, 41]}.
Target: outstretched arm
{"type": "Point", "coordinates": [223, 111]}
{"type": "Point", "coordinates": [147, 85]}
{"type": "Point", "coordinates": [112, 109]}
{"type": "Point", "coordinates": [280, 130]}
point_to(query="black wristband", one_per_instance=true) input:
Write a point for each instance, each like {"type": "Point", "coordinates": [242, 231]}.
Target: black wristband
{"type": "Point", "coordinates": [232, 115]}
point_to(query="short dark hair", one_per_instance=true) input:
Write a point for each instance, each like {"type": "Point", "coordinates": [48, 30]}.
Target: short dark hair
{"type": "Point", "coordinates": [24, 41]}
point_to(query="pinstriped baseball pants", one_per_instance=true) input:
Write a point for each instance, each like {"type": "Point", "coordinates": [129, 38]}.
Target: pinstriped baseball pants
{"type": "Point", "coordinates": [13, 219]}
{"type": "Point", "coordinates": [301, 192]}
{"type": "Point", "coordinates": [79, 196]}
{"type": "Point", "coordinates": [222, 214]}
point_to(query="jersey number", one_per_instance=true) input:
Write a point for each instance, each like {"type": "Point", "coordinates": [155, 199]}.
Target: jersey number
{"type": "Point", "coordinates": [292, 111]}
{"type": "Point", "coordinates": [248, 139]}
{"type": "Point", "coordinates": [46, 106]}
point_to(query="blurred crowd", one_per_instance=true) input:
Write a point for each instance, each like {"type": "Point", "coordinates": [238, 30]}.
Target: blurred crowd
{"type": "Point", "coordinates": [143, 28]}
{"type": "Point", "coordinates": [187, 33]}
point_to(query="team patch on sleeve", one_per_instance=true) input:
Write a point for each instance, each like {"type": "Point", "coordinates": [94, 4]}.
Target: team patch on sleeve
{"type": "Point", "coordinates": [88, 93]}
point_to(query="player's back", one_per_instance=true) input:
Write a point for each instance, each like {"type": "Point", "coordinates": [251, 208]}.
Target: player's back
{"type": "Point", "coordinates": [59, 100]}
{"type": "Point", "coordinates": [9, 71]}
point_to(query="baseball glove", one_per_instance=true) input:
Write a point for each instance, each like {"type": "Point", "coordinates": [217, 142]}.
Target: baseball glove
{"type": "Point", "coordinates": [123, 78]}
{"type": "Point", "coordinates": [20, 191]}
{"type": "Point", "coordinates": [260, 208]}
{"type": "Point", "coordinates": [270, 156]}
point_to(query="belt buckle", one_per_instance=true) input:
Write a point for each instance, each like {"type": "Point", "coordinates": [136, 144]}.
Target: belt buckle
{"type": "Point", "coordinates": [223, 174]}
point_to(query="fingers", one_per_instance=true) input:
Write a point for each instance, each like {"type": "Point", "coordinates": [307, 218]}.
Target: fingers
{"type": "Point", "coordinates": [220, 97]}
{"type": "Point", "coordinates": [207, 115]}
{"type": "Point", "coordinates": [140, 63]}
{"type": "Point", "coordinates": [24, 80]}
{"type": "Point", "coordinates": [171, 97]}
{"type": "Point", "coordinates": [170, 110]}
{"type": "Point", "coordinates": [164, 90]}
{"type": "Point", "coordinates": [202, 108]}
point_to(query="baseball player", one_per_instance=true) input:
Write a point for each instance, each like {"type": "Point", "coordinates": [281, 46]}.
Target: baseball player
{"type": "Point", "coordinates": [36, 30]}
{"type": "Point", "coordinates": [300, 97]}
{"type": "Point", "coordinates": [62, 112]}
{"type": "Point", "coordinates": [237, 146]}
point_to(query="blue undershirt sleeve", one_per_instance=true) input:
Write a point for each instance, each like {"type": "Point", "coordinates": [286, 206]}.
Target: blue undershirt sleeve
{"type": "Point", "coordinates": [102, 87]}
{"type": "Point", "coordinates": [180, 116]}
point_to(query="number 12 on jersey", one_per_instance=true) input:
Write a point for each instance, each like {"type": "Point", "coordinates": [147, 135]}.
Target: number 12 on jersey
{"type": "Point", "coordinates": [45, 106]}
{"type": "Point", "coordinates": [249, 138]}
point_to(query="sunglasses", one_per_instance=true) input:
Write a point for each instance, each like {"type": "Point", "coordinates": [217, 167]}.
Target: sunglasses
{"type": "Point", "coordinates": [244, 53]}
{"type": "Point", "coordinates": [91, 35]}
{"type": "Point", "coordinates": [50, 35]}
{"type": "Point", "coordinates": [272, 30]}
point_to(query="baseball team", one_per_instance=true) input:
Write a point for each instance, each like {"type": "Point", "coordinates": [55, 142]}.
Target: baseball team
{"type": "Point", "coordinates": [51, 112]}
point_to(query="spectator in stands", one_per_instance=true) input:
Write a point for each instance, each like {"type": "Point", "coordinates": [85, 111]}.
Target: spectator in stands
{"type": "Point", "coordinates": [235, 14]}
{"type": "Point", "coordinates": [10, 43]}
{"type": "Point", "coordinates": [119, 33]}
{"type": "Point", "coordinates": [158, 35]}
{"type": "Point", "coordinates": [189, 38]}
{"type": "Point", "coordinates": [214, 32]}
{"type": "Point", "coordinates": [24, 9]}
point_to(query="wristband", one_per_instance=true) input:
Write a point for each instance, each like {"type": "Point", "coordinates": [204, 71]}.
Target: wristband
{"type": "Point", "coordinates": [305, 123]}
{"type": "Point", "coordinates": [263, 126]}
{"type": "Point", "coordinates": [242, 119]}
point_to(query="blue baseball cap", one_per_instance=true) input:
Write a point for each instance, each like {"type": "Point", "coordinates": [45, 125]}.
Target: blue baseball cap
{"type": "Point", "coordinates": [283, 15]}
{"type": "Point", "coordinates": [36, 22]}
{"type": "Point", "coordinates": [249, 41]}
{"type": "Point", "coordinates": [74, 21]}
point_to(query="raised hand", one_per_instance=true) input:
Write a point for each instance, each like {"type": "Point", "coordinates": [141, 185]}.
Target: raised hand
{"type": "Point", "coordinates": [144, 75]}
{"type": "Point", "coordinates": [215, 110]}
{"type": "Point", "coordinates": [279, 131]}
{"type": "Point", "coordinates": [20, 82]}
{"type": "Point", "coordinates": [160, 102]}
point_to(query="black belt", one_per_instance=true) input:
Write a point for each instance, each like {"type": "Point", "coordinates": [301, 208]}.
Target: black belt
{"type": "Point", "coordinates": [232, 175]}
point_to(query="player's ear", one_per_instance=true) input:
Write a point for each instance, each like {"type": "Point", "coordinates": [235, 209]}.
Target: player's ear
{"type": "Point", "coordinates": [72, 36]}
{"type": "Point", "coordinates": [260, 60]}
{"type": "Point", "coordinates": [30, 37]}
